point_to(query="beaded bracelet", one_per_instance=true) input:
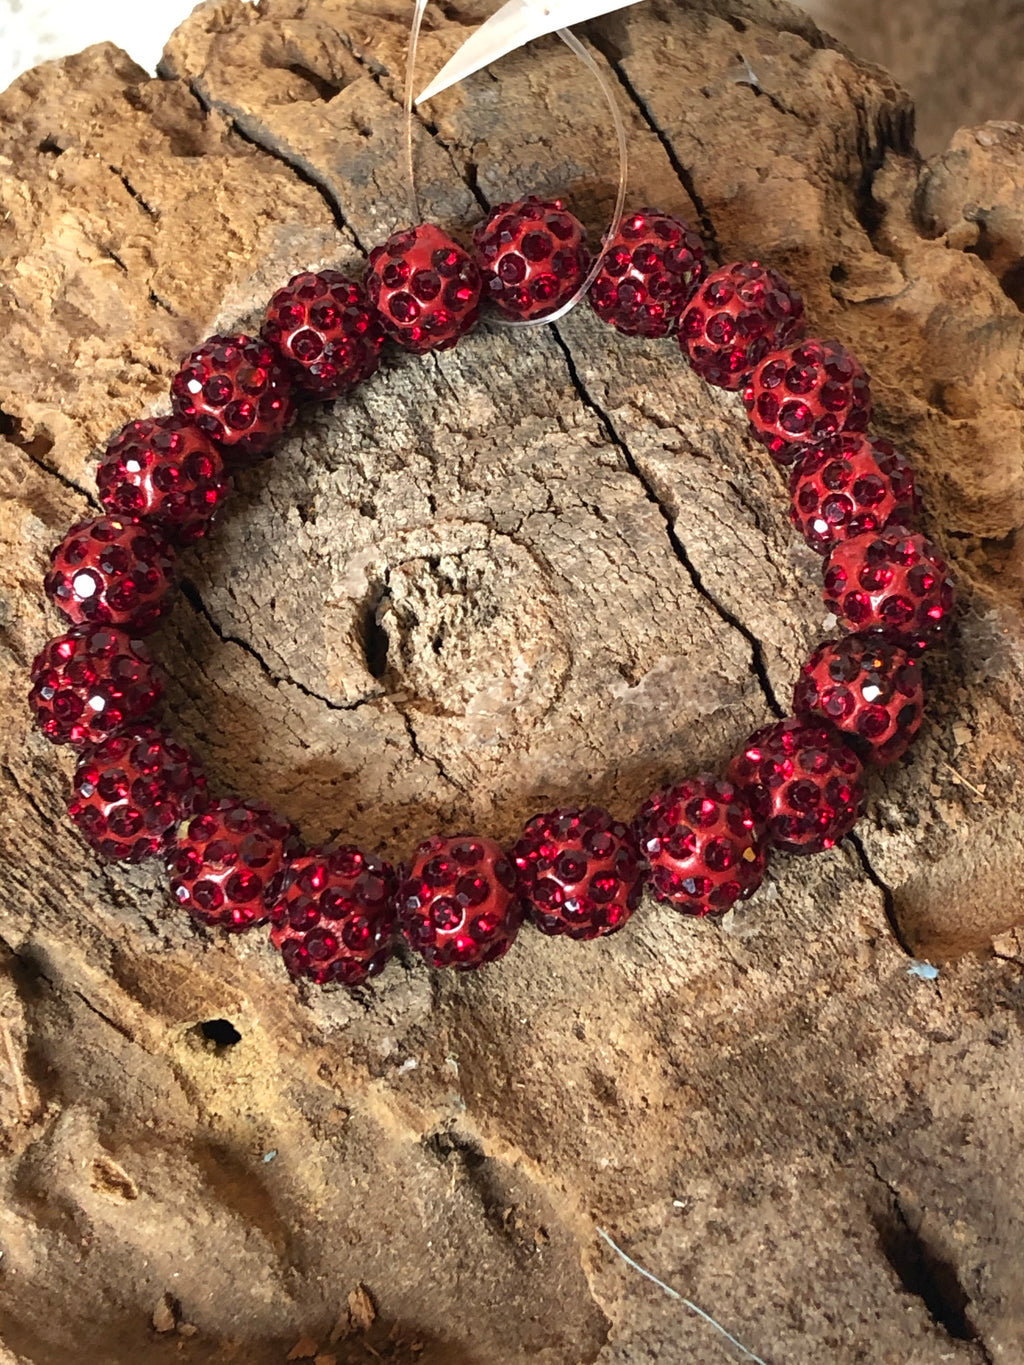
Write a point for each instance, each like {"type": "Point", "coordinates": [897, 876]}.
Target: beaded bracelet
{"type": "Point", "coordinates": [700, 845]}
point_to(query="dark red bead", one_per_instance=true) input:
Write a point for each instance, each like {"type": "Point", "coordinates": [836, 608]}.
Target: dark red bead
{"type": "Point", "coordinates": [223, 861]}
{"type": "Point", "coordinates": [115, 571]}
{"type": "Point", "coordinates": [804, 783]}
{"type": "Point", "coordinates": [851, 484]}
{"type": "Point", "coordinates": [892, 582]}
{"type": "Point", "coordinates": [704, 845]}
{"type": "Point", "coordinates": [425, 287]}
{"type": "Point", "coordinates": [579, 872]}
{"type": "Point", "coordinates": [237, 390]}
{"type": "Point", "coordinates": [648, 274]}
{"type": "Point", "coordinates": [532, 256]}
{"type": "Point", "coordinates": [738, 315]}
{"type": "Point", "coordinates": [801, 395]}
{"type": "Point", "coordinates": [165, 470]}
{"type": "Point", "coordinates": [92, 682]}
{"type": "Point", "coordinates": [131, 790]}
{"type": "Point", "coordinates": [869, 689]}
{"type": "Point", "coordinates": [459, 904]}
{"type": "Point", "coordinates": [333, 915]}
{"type": "Point", "coordinates": [327, 330]}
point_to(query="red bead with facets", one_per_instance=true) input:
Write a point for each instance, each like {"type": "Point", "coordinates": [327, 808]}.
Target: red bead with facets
{"type": "Point", "coordinates": [738, 315]}
{"type": "Point", "coordinates": [804, 783]}
{"type": "Point", "coordinates": [869, 689]}
{"type": "Point", "coordinates": [92, 682]}
{"type": "Point", "coordinates": [801, 395]}
{"type": "Point", "coordinates": [237, 390]}
{"type": "Point", "coordinates": [891, 582]}
{"type": "Point", "coordinates": [223, 861]}
{"type": "Point", "coordinates": [328, 331]}
{"type": "Point", "coordinates": [115, 571]}
{"type": "Point", "coordinates": [425, 287]}
{"type": "Point", "coordinates": [579, 872]}
{"type": "Point", "coordinates": [166, 470]}
{"type": "Point", "coordinates": [131, 790]}
{"type": "Point", "coordinates": [460, 905]}
{"type": "Point", "coordinates": [648, 274]}
{"type": "Point", "coordinates": [851, 484]}
{"type": "Point", "coordinates": [704, 845]}
{"type": "Point", "coordinates": [333, 915]}
{"type": "Point", "coordinates": [532, 256]}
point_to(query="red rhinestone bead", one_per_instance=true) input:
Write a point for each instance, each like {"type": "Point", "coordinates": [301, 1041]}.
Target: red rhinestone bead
{"type": "Point", "coordinates": [648, 274]}
{"type": "Point", "coordinates": [223, 861]}
{"type": "Point", "coordinates": [579, 872]}
{"type": "Point", "coordinates": [532, 256]}
{"type": "Point", "coordinates": [851, 484]}
{"type": "Point", "coordinates": [326, 328]}
{"type": "Point", "coordinates": [801, 395]}
{"type": "Point", "coordinates": [803, 781]}
{"type": "Point", "coordinates": [131, 790]}
{"type": "Point", "coordinates": [738, 315]}
{"type": "Point", "coordinates": [869, 689]}
{"type": "Point", "coordinates": [425, 287]}
{"type": "Point", "coordinates": [891, 582]}
{"type": "Point", "coordinates": [704, 845]}
{"type": "Point", "coordinates": [237, 390]}
{"type": "Point", "coordinates": [166, 470]}
{"type": "Point", "coordinates": [459, 905]}
{"type": "Point", "coordinates": [112, 571]}
{"type": "Point", "coordinates": [92, 682]}
{"type": "Point", "coordinates": [333, 915]}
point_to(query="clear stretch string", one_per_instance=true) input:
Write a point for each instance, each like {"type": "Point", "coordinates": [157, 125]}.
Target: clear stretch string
{"type": "Point", "coordinates": [407, 105]}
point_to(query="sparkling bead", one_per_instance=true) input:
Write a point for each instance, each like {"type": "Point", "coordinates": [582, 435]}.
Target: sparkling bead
{"type": "Point", "coordinates": [460, 905]}
{"type": "Point", "coordinates": [869, 689]}
{"type": "Point", "coordinates": [425, 287]}
{"type": "Point", "coordinates": [648, 274]}
{"type": "Point", "coordinates": [130, 791]}
{"type": "Point", "coordinates": [92, 682]}
{"type": "Point", "coordinates": [165, 470]}
{"type": "Point", "coordinates": [114, 571]}
{"type": "Point", "coordinates": [532, 256]}
{"type": "Point", "coordinates": [851, 484]}
{"type": "Point", "coordinates": [705, 847]}
{"type": "Point", "coordinates": [328, 331]}
{"type": "Point", "coordinates": [891, 582]}
{"type": "Point", "coordinates": [579, 872]}
{"type": "Point", "coordinates": [804, 783]}
{"type": "Point", "coordinates": [738, 315]}
{"type": "Point", "coordinates": [236, 390]}
{"type": "Point", "coordinates": [801, 395]}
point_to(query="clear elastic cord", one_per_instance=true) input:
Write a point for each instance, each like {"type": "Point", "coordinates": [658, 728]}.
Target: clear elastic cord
{"type": "Point", "coordinates": [607, 89]}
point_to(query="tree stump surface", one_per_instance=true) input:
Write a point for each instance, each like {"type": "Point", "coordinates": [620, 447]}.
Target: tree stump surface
{"type": "Point", "coordinates": [545, 567]}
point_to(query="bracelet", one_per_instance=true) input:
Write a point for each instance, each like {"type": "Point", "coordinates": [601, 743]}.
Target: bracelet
{"type": "Point", "coordinates": [702, 844]}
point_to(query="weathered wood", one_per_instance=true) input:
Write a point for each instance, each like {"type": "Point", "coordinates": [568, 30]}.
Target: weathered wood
{"type": "Point", "coordinates": [585, 579]}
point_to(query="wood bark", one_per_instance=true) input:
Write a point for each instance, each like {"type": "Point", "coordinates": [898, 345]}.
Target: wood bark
{"type": "Point", "coordinates": [544, 567]}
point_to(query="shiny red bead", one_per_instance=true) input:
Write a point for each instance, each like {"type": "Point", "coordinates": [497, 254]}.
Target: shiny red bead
{"type": "Point", "coordinates": [704, 845]}
{"type": "Point", "coordinates": [804, 783]}
{"type": "Point", "coordinates": [92, 682]}
{"type": "Point", "coordinates": [869, 689]}
{"type": "Point", "coordinates": [328, 331]}
{"type": "Point", "coordinates": [223, 861]}
{"type": "Point", "coordinates": [801, 395]}
{"type": "Point", "coordinates": [532, 256]}
{"type": "Point", "coordinates": [131, 790]}
{"type": "Point", "coordinates": [165, 470]}
{"type": "Point", "coordinates": [112, 570]}
{"type": "Point", "coordinates": [235, 389]}
{"type": "Point", "coordinates": [738, 315]}
{"type": "Point", "coordinates": [333, 915]}
{"type": "Point", "coordinates": [460, 905]}
{"type": "Point", "coordinates": [425, 287]}
{"type": "Point", "coordinates": [579, 872]}
{"type": "Point", "coordinates": [892, 582]}
{"type": "Point", "coordinates": [648, 274]}
{"type": "Point", "coordinates": [851, 484]}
